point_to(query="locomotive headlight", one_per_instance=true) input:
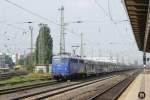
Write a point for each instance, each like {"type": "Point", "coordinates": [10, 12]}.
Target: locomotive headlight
{"type": "Point", "coordinates": [65, 68]}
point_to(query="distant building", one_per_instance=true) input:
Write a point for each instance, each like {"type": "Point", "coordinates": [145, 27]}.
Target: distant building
{"type": "Point", "coordinates": [43, 68]}
{"type": "Point", "coordinates": [13, 58]}
{"type": "Point", "coordinates": [5, 61]}
{"type": "Point", "coordinates": [2, 61]}
{"type": "Point", "coordinates": [16, 57]}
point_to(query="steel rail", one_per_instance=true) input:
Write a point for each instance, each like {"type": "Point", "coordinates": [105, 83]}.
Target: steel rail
{"type": "Point", "coordinates": [123, 85]}
{"type": "Point", "coordinates": [71, 87]}
{"type": "Point", "coordinates": [26, 87]}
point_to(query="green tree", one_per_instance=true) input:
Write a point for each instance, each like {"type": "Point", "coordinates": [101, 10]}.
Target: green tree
{"type": "Point", "coordinates": [44, 46]}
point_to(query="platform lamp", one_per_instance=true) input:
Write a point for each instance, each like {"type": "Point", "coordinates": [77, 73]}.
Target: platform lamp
{"type": "Point", "coordinates": [144, 59]}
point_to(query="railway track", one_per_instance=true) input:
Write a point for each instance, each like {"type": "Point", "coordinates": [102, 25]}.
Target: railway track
{"type": "Point", "coordinates": [50, 89]}
{"type": "Point", "coordinates": [113, 92]}
{"type": "Point", "coordinates": [10, 74]}
{"type": "Point", "coordinates": [26, 87]}
{"type": "Point", "coordinates": [56, 91]}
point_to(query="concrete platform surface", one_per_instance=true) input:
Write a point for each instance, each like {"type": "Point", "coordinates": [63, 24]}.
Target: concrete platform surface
{"type": "Point", "coordinates": [140, 84]}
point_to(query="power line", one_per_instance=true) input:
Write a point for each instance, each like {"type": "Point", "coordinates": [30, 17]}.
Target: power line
{"type": "Point", "coordinates": [109, 14]}
{"type": "Point", "coordinates": [29, 11]}
{"type": "Point", "coordinates": [13, 26]}
{"type": "Point", "coordinates": [79, 36]}
{"type": "Point", "coordinates": [109, 11]}
{"type": "Point", "coordinates": [19, 28]}
{"type": "Point", "coordinates": [96, 2]}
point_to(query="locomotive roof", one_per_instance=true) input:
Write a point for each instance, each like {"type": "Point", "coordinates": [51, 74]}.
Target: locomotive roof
{"type": "Point", "coordinates": [85, 59]}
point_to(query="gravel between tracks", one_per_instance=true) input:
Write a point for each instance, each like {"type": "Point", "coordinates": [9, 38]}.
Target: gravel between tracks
{"type": "Point", "coordinates": [90, 89]}
{"type": "Point", "coordinates": [86, 91]}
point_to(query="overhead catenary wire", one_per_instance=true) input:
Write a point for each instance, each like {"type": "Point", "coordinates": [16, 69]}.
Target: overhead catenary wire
{"type": "Point", "coordinates": [78, 35]}
{"type": "Point", "coordinates": [42, 16]}
{"type": "Point", "coordinates": [96, 2]}
{"type": "Point", "coordinates": [29, 11]}
{"type": "Point", "coordinates": [16, 27]}
{"type": "Point", "coordinates": [109, 12]}
{"type": "Point", "coordinates": [11, 25]}
{"type": "Point", "coordinates": [109, 15]}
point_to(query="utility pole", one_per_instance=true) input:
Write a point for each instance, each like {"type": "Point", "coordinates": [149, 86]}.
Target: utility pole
{"type": "Point", "coordinates": [31, 40]}
{"type": "Point", "coordinates": [99, 50]}
{"type": "Point", "coordinates": [24, 58]}
{"type": "Point", "coordinates": [122, 60]}
{"type": "Point", "coordinates": [92, 53]}
{"type": "Point", "coordinates": [62, 35]}
{"type": "Point", "coordinates": [31, 30]}
{"type": "Point", "coordinates": [81, 50]}
{"type": "Point", "coordinates": [117, 58]}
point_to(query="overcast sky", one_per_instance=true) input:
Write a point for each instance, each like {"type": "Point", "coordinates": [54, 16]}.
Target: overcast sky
{"type": "Point", "coordinates": [106, 30]}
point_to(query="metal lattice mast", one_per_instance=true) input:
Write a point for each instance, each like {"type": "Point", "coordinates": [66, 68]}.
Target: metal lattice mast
{"type": "Point", "coordinates": [62, 37]}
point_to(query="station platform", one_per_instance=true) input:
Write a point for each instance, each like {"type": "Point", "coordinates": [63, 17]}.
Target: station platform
{"type": "Point", "coordinates": [140, 84]}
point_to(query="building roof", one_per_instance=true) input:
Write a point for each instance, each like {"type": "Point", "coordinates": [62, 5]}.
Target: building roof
{"type": "Point", "coordinates": [138, 11]}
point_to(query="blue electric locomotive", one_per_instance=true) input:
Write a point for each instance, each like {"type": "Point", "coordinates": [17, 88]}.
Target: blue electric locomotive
{"type": "Point", "coordinates": [67, 67]}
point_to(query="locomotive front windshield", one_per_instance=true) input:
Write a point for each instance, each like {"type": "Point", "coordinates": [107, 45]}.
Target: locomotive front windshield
{"type": "Point", "coordinates": [60, 60]}
{"type": "Point", "coordinates": [60, 65]}
{"type": "Point", "coordinates": [56, 61]}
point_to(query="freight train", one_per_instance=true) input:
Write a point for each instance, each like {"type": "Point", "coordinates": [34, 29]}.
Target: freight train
{"type": "Point", "coordinates": [64, 68]}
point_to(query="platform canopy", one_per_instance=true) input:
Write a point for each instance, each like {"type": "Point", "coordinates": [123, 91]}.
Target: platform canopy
{"type": "Point", "coordinates": [139, 15]}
